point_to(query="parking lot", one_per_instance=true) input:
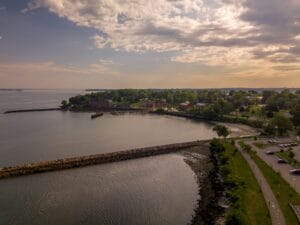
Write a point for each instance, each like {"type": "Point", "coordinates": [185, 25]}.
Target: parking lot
{"type": "Point", "coordinates": [272, 160]}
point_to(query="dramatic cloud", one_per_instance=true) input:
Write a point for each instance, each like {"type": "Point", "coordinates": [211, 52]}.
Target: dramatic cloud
{"type": "Point", "coordinates": [214, 32]}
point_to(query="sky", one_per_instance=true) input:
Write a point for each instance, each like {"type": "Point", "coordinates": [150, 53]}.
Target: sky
{"type": "Point", "coordinates": [149, 43]}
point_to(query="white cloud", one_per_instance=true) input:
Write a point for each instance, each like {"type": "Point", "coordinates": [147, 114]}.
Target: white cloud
{"type": "Point", "coordinates": [158, 25]}
{"type": "Point", "coordinates": [215, 32]}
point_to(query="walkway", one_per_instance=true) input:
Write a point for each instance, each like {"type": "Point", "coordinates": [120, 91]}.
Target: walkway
{"type": "Point", "coordinates": [274, 209]}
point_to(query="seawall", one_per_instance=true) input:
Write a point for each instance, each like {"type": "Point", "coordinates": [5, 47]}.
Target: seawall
{"type": "Point", "coordinates": [81, 161]}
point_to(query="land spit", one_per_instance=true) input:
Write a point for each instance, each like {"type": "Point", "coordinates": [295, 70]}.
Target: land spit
{"type": "Point", "coordinates": [81, 161]}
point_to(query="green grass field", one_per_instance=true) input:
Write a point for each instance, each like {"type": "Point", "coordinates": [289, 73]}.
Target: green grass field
{"type": "Point", "coordinates": [247, 202]}
{"type": "Point", "coordinates": [260, 145]}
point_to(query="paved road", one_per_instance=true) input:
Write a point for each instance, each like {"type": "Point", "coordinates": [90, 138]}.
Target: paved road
{"type": "Point", "coordinates": [283, 169]}
{"type": "Point", "coordinates": [274, 209]}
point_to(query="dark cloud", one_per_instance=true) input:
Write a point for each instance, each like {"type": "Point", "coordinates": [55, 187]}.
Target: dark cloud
{"type": "Point", "coordinates": [286, 68]}
{"type": "Point", "coordinates": [278, 23]}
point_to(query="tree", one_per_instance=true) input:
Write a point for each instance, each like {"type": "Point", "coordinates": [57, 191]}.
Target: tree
{"type": "Point", "coordinates": [281, 124]}
{"type": "Point", "coordinates": [64, 104]}
{"type": "Point", "coordinates": [216, 146]}
{"type": "Point", "coordinates": [221, 130]}
{"type": "Point", "coordinates": [296, 113]}
{"type": "Point", "coordinates": [222, 107]}
{"type": "Point", "coordinates": [209, 112]}
{"type": "Point", "coordinates": [266, 95]}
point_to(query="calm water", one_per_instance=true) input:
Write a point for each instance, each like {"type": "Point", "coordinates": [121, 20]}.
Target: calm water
{"type": "Point", "coordinates": [156, 190]}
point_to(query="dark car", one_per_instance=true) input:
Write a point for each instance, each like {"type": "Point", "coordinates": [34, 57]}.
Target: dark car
{"type": "Point", "coordinates": [269, 152]}
{"type": "Point", "coordinates": [283, 161]}
{"type": "Point", "coordinates": [295, 171]}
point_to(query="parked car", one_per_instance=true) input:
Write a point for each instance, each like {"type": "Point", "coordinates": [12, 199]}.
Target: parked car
{"type": "Point", "coordinates": [272, 141]}
{"type": "Point", "coordinates": [282, 161]}
{"type": "Point", "coordinates": [286, 145]}
{"type": "Point", "coordinates": [295, 171]}
{"type": "Point", "coordinates": [269, 152]}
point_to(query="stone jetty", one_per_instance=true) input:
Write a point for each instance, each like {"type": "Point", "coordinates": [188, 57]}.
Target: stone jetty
{"type": "Point", "coordinates": [81, 161]}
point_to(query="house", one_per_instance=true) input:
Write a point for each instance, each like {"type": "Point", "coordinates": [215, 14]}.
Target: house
{"type": "Point", "coordinates": [185, 105]}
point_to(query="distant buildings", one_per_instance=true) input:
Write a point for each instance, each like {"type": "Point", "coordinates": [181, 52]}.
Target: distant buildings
{"type": "Point", "coordinates": [155, 104]}
{"type": "Point", "coordinates": [101, 104]}
{"type": "Point", "coordinates": [200, 105]}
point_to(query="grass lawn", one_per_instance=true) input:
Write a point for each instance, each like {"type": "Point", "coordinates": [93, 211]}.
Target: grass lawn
{"type": "Point", "coordinates": [285, 155]}
{"type": "Point", "coordinates": [284, 193]}
{"type": "Point", "coordinates": [247, 201]}
{"type": "Point", "coordinates": [260, 145]}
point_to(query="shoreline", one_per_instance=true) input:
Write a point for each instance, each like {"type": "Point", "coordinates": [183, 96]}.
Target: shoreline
{"type": "Point", "coordinates": [210, 208]}
{"type": "Point", "coordinates": [236, 129]}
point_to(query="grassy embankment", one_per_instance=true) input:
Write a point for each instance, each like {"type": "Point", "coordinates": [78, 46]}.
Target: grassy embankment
{"type": "Point", "coordinates": [247, 204]}
{"type": "Point", "coordinates": [284, 193]}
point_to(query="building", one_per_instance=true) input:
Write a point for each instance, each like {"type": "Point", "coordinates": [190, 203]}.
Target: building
{"type": "Point", "coordinates": [185, 105]}
{"type": "Point", "coordinates": [156, 104]}
{"type": "Point", "coordinates": [200, 105]}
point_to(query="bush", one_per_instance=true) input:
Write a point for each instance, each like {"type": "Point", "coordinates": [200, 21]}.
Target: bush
{"type": "Point", "coordinates": [291, 154]}
{"type": "Point", "coordinates": [234, 219]}
{"type": "Point", "coordinates": [225, 171]}
{"type": "Point", "coordinates": [223, 159]}
{"type": "Point", "coordinates": [232, 197]}
{"type": "Point", "coordinates": [233, 142]}
{"type": "Point", "coordinates": [216, 146]}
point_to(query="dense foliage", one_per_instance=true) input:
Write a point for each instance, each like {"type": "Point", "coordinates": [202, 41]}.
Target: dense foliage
{"type": "Point", "coordinates": [221, 130]}
{"type": "Point", "coordinates": [278, 112]}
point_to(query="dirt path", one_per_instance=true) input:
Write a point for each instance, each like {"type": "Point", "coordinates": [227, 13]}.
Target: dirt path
{"type": "Point", "coordinates": [274, 209]}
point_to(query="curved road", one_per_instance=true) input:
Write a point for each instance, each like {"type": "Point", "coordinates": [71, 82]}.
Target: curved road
{"type": "Point", "coordinates": [274, 209]}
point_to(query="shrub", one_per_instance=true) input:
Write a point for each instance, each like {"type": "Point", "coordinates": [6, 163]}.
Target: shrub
{"type": "Point", "coordinates": [234, 218]}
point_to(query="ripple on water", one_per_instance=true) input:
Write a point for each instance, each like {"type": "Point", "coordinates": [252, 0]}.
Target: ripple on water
{"type": "Point", "coordinates": [157, 190]}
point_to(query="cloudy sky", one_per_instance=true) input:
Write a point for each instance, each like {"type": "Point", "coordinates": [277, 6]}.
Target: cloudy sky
{"type": "Point", "coordinates": [149, 43]}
